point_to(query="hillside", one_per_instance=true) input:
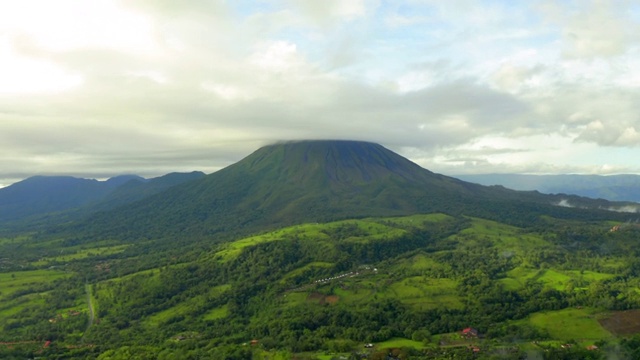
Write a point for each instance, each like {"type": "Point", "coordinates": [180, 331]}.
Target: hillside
{"type": "Point", "coordinates": [317, 181]}
{"type": "Point", "coordinates": [409, 284]}
{"type": "Point", "coordinates": [46, 194]}
{"type": "Point", "coordinates": [45, 200]}
{"type": "Point", "coordinates": [137, 189]}
{"type": "Point", "coordinates": [326, 250]}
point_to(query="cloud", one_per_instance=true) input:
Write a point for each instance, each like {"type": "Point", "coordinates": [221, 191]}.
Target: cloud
{"type": "Point", "coordinates": [150, 87]}
{"type": "Point", "coordinates": [598, 28]}
{"type": "Point", "coordinates": [513, 78]}
{"type": "Point", "coordinates": [625, 209]}
{"type": "Point", "coordinates": [331, 10]}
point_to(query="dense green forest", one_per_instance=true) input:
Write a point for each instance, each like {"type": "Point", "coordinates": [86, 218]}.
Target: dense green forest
{"type": "Point", "coordinates": [406, 285]}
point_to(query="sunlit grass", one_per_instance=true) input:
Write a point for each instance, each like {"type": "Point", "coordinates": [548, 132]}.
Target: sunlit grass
{"type": "Point", "coordinates": [369, 229]}
{"type": "Point", "coordinates": [12, 282]}
{"type": "Point", "coordinates": [72, 255]}
{"type": "Point", "coordinates": [400, 343]}
{"type": "Point", "coordinates": [568, 324]}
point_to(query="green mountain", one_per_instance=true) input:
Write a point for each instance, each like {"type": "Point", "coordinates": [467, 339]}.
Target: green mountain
{"type": "Point", "coordinates": [137, 189]}
{"type": "Point", "coordinates": [317, 181]}
{"type": "Point", "coordinates": [327, 250]}
{"type": "Point", "coordinates": [39, 195]}
{"type": "Point", "coordinates": [44, 200]}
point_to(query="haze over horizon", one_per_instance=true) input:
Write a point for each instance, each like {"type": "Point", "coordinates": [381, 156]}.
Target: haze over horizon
{"type": "Point", "coordinates": [102, 88]}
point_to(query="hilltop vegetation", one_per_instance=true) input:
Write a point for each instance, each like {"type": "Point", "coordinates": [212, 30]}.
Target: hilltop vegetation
{"type": "Point", "coordinates": [402, 282]}
{"type": "Point", "coordinates": [41, 201]}
{"type": "Point", "coordinates": [315, 181]}
{"type": "Point", "coordinates": [312, 250]}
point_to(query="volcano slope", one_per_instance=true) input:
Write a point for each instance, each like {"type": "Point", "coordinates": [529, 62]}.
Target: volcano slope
{"type": "Point", "coordinates": [319, 247]}
{"type": "Point", "coordinates": [317, 181]}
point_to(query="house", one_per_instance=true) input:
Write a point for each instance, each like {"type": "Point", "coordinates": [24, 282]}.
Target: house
{"type": "Point", "coordinates": [254, 342]}
{"type": "Point", "coordinates": [368, 346]}
{"type": "Point", "coordinates": [469, 333]}
{"type": "Point", "coordinates": [592, 348]}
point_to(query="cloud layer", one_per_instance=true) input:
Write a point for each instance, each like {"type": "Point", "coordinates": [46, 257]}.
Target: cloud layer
{"type": "Point", "coordinates": [108, 87]}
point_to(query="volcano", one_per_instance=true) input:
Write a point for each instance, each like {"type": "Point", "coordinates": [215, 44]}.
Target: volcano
{"type": "Point", "coordinates": [313, 181]}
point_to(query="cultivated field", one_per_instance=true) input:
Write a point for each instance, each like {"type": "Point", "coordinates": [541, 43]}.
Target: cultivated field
{"type": "Point", "coordinates": [621, 323]}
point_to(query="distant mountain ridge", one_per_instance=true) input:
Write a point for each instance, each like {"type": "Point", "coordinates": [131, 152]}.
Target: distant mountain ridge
{"type": "Point", "coordinates": [315, 181]}
{"type": "Point", "coordinates": [45, 195]}
{"type": "Point", "coordinates": [610, 187]}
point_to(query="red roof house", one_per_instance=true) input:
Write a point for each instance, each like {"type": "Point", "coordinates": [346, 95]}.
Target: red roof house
{"type": "Point", "coordinates": [469, 332]}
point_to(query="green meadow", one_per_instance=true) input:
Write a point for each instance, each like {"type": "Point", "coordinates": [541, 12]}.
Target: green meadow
{"type": "Point", "coordinates": [570, 324]}
{"type": "Point", "coordinates": [190, 306]}
{"type": "Point", "coordinates": [67, 255]}
{"type": "Point", "coordinates": [504, 237]}
{"type": "Point", "coordinates": [28, 281]}
{"type": "Point", "coordinates": [400, 343]}
{"type": "Point", "coordinates": [21, 292]}
{"type": "Point", "coordinates": [217, 313]}
{"type": "Point", "coordinates": [555, 279]}
{"type": "Point", "coordinates": [362, 230]}
{"type": "Point", "coordinates": [425, 293]}
{"type": "Point", "coordinates": [12, 307]}
{"type": "Point", "coordinates": [301, 270]}
{"type": "Point", "coordinates": [421, 262]}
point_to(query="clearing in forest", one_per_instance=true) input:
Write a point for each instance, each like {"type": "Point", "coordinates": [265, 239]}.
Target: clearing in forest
{"type": "Point", "coordinates": [621, 323]}
{"type": "Point", "coordinates": [570, 324]}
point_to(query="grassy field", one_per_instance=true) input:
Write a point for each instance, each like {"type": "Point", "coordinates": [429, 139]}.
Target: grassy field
{"type": "Point", "coordinates": [260, 354]}
{"type": "Point", "coordinates": [425, 293]}
{"type": "Point", "coordinates": [9, 308]}
{"type": "Point", "coordinates": [507, 238]}
{"type": "Point", "coordinates": [399, 343]}
{"type": "Point", "coordinates": [570, 324]}
{"type": "Point", "coordinates": [368, 230]}
{"type": "Point", "coordinates": [21, 290]}
{"type": "Point", "coordinates": [294, 298]}
{"type": "Point", "coordinates": [422, 262]}
{"type": "Point", "coordinates": [15, 281]}
{"type": "Point", "coordinates": [300, 270]}
{"type": "Point", "coordinates": [421, 292]}
{"type": "Point", "coordinates": [73, 254]}
{"type": "Point", "coordinates": [556, 279]}
{"type": "Point", "coordinates": [185, 307]}
{"type": "Point", "coordinates": [217, 313]}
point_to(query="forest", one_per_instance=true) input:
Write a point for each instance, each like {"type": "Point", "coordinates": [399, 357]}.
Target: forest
{"type": "Point", "coordinates": [406, 285]}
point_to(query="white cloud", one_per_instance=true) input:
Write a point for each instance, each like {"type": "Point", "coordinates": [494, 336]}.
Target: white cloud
{"type": "Point", "coordinates": [323, 12]}
{"type": "Point", "coordinates": [517, 78]}
{"type": "Point", "coordinates": [140, 86]}
{"type": "Point", "coordinates": [69, 24]}
{"type": "Point", "coordinates": [593, 29]}
{"type": "Point", "coordinates": [24, 75]}
{"type": "Point", "coordinates": [277, 56]}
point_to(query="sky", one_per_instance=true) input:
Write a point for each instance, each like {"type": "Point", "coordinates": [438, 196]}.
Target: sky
{"type": "Point", "coordinates": [106, 87]}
